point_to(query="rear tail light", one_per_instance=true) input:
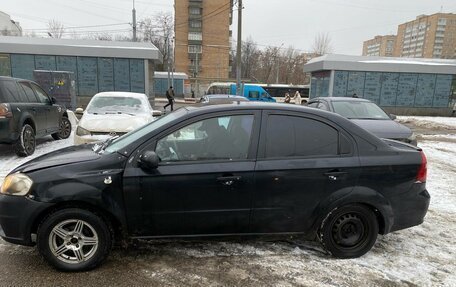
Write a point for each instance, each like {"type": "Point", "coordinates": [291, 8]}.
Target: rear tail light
{"type": "Point", "coordinates": [5, 111]}
{"type": "Point", "coordinates": [422, 170]}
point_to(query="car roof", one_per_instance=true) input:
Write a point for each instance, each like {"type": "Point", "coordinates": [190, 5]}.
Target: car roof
{"type": "Point", "coordinates": [120, 94]}
{"type": "Point", "coordinates": [249, 105]}
{"type": "Point", "coordinates": [3, 78]}
{"type": "Point", "coordinates": [340, 99]}
{"type": "Point", "coordinates": [224, 96]}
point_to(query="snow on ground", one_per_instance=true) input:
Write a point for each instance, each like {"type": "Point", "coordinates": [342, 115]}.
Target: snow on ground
{"type": "Point", "coordinates": [434, 123]}
{"type": "Point", "coordinates": [424, 255]}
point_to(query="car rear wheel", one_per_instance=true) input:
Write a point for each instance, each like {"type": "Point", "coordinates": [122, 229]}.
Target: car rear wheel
{"type": "Point", "coordinates": [349, 231]}
{"type": "Point", "coordinates": [64, 129]}
{"type": "Point", "coordinates": [74, 239]}
{"type": "Point", "coordinates": [25, 145]}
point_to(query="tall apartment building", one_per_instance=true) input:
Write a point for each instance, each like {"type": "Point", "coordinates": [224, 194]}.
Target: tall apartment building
{"type": "Point", "coordinates": [428, 36]}
{"type": "Point", "coordinates": [203, 38]}
{"type": "Point", "coordinates": [380, 46]}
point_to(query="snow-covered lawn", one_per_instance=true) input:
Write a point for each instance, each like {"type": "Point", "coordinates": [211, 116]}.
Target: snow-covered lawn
{"type": "Point", "coordinates": [424, 255]}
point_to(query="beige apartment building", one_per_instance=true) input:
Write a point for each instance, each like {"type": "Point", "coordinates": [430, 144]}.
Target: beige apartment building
{"type": "Point", "coordinates": [428, 36]}
{"type": "Point", "coordinates": [380, 46]}
{"type": "Point", "coordinates": [203, 39]}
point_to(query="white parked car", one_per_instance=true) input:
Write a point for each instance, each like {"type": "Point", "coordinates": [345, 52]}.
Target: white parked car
{"type": "Point", "coordinates": [113, 113]}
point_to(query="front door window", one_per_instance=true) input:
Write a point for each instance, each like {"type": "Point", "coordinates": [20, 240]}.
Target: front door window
{"type": "Point", "coordinates": [220, 138]}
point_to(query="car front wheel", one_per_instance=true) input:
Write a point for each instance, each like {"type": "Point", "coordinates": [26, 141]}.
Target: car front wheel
{"type": "Point", "coordinates": [64, 129]}
{"type": "Point", "coordinates": [74, 239]}
{"type": "Point", "coordinates": [349, 231]}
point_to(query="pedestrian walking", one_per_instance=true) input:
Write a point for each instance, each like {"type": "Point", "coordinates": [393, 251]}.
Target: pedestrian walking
{"type": "Point", "coordinates": [297, 98]}
{"type": "Point", "coordinates": [287, 98]}
{"type": "Point", "coordinates": [170, 97]}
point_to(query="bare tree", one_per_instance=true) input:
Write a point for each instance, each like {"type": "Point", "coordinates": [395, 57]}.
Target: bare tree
{"type": "Point", "coordinates": [158, 30]}
{"type": "Point", "coordinates": [55, 29]}
{"type": "Point", "coordinates": [103, 36]}
{"type": "Point", "coordinates": [249, 58]}
{"type": "Point", "coordinates": [322, 44]}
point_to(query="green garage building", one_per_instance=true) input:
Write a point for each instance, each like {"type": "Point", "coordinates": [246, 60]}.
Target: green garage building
{"type": "Point", "coordinates": [97, 66]}
{"type": "Point", "coordinates": [407, 86]}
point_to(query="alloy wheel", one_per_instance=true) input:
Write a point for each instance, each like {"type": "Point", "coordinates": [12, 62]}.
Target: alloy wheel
{"type": "Point", "coordinates": [73, 241]}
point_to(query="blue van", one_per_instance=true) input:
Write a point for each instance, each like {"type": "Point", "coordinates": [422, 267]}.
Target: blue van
{"type": "Point", "coordinates": [251, 91]}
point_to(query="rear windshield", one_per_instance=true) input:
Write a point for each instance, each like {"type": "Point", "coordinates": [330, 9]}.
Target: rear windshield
{"type": "Point", "coordinates": [118, 105]}
{"type": "Point", "coordinates": [8, 92]}
{"type": "Point", "coordinates": [359, 110]}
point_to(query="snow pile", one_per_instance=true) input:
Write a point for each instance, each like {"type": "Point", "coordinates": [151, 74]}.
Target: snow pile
{"type": "Point", "coordinates": [433, 123]}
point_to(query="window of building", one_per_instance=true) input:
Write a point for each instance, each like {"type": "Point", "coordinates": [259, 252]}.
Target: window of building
{"type": "Point", "coordinates": [194, 11]}
{"type": "Point", "coordinates": [442, 21]}
{"type": "Point", "coordinates": [194, 48]}
{"type": "Point", "coordinates": [222, 138]}
{"type": "Point", "coordinates": [303, 137]}
{"type": "Point", "coordinates": [195, 36]}
{"type": "Point", "coordinates": [195, 24]}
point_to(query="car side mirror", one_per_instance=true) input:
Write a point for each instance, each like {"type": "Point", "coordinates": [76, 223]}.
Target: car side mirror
{"type": "Point", "coordinates": [393, 117]}
{"type": "Point", "coordinates": [156, 113]}
{"type": "Point", "coordinates": [148, 160]}
{"type": "Point", "coordinates": [79, 111]}
{"type": "Point", "coordinates": [53, 100]}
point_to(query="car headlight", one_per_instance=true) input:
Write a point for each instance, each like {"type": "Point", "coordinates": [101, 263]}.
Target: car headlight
{"type": "Point", "coordinates": [82, 131]}
{"type": "Point", "coordinates": [16, 184]}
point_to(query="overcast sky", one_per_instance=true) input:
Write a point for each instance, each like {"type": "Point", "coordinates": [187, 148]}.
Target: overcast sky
{"type": "Point", "coordinates": [269, 22]}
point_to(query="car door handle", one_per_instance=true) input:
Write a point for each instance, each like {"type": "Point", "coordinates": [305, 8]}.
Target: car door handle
{"type": "Point", "coordinates": [335, 174]}
{"type": "Point", "coordinates": [228, 180]}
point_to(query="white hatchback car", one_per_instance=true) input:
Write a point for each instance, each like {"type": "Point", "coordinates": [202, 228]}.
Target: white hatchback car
{"type": "Point", "coordinates": [113, 113]}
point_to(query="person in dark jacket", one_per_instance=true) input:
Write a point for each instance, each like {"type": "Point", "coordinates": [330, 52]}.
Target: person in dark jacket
{"type": "Point", "coordinates": [170, 97]}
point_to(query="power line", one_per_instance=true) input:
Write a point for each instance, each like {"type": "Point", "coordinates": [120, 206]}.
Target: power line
{"type": "Point", "coordinates": [82, 27]}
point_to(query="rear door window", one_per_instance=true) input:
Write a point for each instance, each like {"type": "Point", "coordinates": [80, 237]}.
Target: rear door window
{"type": "Point", "coordinates": [293, 136]}
{"type": "Point", "coordinates": [8, 92]}
{"type": "Point", "coordinates": [28, 92]}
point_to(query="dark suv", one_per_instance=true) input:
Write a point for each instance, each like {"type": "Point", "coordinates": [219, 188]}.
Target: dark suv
{"type": "Point", "coordinates": [27, 112]}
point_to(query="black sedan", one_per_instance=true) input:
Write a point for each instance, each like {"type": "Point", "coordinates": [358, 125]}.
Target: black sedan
{"type": "Point", "coordinates": [368, 115]}
{"type": "Point", "coordinates": [234, 169]}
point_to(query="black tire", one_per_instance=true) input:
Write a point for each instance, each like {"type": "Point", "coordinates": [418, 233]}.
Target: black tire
{"type": "Point", "coordinates": [25, 144]}
{"type": "Point", "coordinates": [80, 250]}
{"type": "Point", "coordinates": [64, 129]}
{"type": "Point", "coordinates": [349, 231]}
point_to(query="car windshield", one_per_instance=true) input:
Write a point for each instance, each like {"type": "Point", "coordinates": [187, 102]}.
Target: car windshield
{"type": "Point", "coordinates": [117, 105]}
{"type": "Point", "coordinates": [132, 136]}
{"type": "Point", "coordinates": [359, 110]}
